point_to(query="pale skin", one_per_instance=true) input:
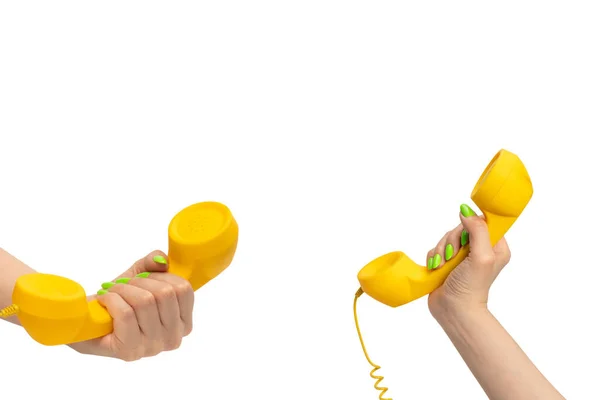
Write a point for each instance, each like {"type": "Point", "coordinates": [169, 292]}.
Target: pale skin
{"type": "Point", "coordinates": [150, 314]}
{"type": "Point", "coordinates": [460, 307]}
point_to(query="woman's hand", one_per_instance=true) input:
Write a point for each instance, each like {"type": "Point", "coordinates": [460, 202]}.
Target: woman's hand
{"type": "Point", "coordinates": [151, 309]}
{"type": "Point", "coordinates": [469, 284]}
{"type": "Point", "coordinates": [460, 306]}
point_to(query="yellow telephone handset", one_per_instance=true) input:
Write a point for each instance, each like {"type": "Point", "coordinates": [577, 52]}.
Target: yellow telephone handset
{"type": "Point", "coordinates": [501, 193]}
{"type": "Point", "coordinates": [54, 310]}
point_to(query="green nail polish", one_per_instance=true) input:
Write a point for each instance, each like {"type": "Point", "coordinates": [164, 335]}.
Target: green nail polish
{"type": "Point", "coordinates": [430, 263]}
{"type": "Point", "coordinates": [466, 211]}
{"type": "Point", "coordinates": [143, 275]}
{"type": "Point", "coordinates": [437, 260]}
{"type": "Point", "coordinates": [123, 280]}
{"type": "Point", "coordinates": [107, 285]}
{"type": "Point", "coordinates": [102, 291]}
{"type": "Point", "coordinates": [449, 251]}
{"type": "Point", "coordinates": [160, 259]}
{"type": "Point", "coordinates": [464, 238]}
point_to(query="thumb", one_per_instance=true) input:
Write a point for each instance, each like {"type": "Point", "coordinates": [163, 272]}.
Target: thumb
{"type": "Point", "coordinates": [155, 261]}
{"type": "Point", "coordinates": [476, 227]}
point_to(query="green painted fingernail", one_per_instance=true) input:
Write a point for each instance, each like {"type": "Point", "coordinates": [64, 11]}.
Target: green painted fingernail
{"type": "Point", "coordinates": [160, 259]}
{"type": "Point", "coordinates": [464, 238]}
{"type": "Point", "coordinates": [143, 275]}
{"type": "Point", "coordinates": [466, 211]}
{"type": "Point", "coordinates": [430, 263]}
{"type": "Point", "coordinates": [102, 291]}
{"type": "Point", "coordinates": [437, 260]}
{"type": "Point", "coordinates": [123, 280]}
{"type": "Point", "coordinates": [107, 285]}
{"type": "Point", "coordinates": [449, 251]}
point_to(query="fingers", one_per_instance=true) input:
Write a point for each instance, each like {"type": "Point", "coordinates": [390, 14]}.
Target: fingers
{"type": "Point", "coordinates": [434, 256]}
{"type": "Point", "coordinates": [185, 298]}
{"type": "Point", "coordinates": [125, 326]}
{"type": "Point", "coordinates": [145, 307]}
{"type": "Point", "coordinates": [155, 261]}
{"type": "Point", "coordinates": [472, 230]}
{"type": "Point", "coordinates": [502, 252]}
{"type": "Point", "coordinates": [446, 248]}
{"type": "Point", "coordinates": [152, 309]}
{"type": "Point", "coordinates": [165, 298]}
{"type": "Point", "coordinates": [479, 237]}
{"type": "Point", "coordinates": [451, 245]}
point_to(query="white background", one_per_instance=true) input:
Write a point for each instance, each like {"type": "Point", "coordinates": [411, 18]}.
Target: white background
{"type": "Point", "coordinates": [335, 131]}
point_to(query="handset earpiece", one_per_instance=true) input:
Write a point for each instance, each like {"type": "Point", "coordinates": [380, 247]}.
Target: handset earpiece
{"type": "Point", "coordinates": [54, 310]}
{"type": "Point", "coordinates": [501, 193]}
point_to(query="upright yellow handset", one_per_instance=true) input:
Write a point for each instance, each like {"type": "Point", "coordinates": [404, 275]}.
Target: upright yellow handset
{"type": "Point", "coordinates": [54, 310]}
{"type": "Point", "coordinates": [501, 193]}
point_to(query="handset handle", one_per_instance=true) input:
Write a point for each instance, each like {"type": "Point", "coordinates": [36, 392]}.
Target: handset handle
{"type": "Point", "coordinates": [54, 310]}
{"type": "Point", "coordinates": [502, 193]}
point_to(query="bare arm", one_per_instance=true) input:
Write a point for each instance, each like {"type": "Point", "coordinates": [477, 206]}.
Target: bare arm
{"type": "Point", "coordinates": [500, 366]}
{"type": "Point", "coordinates": [460, 307]}
{"type": "Point", "coordinates": [10, 270]}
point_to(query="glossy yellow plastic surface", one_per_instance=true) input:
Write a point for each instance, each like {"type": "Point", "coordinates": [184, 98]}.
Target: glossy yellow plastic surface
{"type": "Point", "coordinates": [501, 193]}
{"type": "Point", "coordinates": [55, 310]}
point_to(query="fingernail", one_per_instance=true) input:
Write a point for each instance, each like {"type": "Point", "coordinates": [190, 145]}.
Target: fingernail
{"type": "Point", "coordinates": [430, 263]}
{"type": "Point", "coordinates": [159, 259]}
{"type": "Point", "coordinates": [143, 275]}
{"type": "Point", "coordinates": [464, 238]}
{"type": "Point", "coordinates": [123, 280]}
{"type": "Point", "coordinates": [107, 285]}
{"type": "Point", "coordinates": [437, 260]}
{"type": "Point", "coordinates": [102, 291]}
{"type": "Point", "coordinates": [466, 211]}
{"type": "Point", "coordinates": [449, 251]}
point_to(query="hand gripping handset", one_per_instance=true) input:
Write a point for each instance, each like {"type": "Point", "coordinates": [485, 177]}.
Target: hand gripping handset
{"type": "Point", "coordinates": [501, 193]}
{"type": "Point", "coordinates": [54, 310]}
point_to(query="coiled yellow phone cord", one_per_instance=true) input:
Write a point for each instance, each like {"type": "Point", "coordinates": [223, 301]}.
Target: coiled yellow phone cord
{"type": "Point", "coordinates": [9, 311]}
{"type": "Point", "coordinates": [376, 367]}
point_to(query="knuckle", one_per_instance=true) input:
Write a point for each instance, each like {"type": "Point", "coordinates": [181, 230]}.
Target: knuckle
{"type": "Point", "coordinates": [506, 255]}
{"type": "Point", "coordinates": [154, 350]}
{"type": "Point", "coordinates": [187, 328]}
{"type": "Point", "coordinates": [173, 343]}
{"type": "Point", "coordinates": [183, 287]}
{"type": "Point", "coordinates": [127, 315]}
{"type": "Point", "coordinates": [479, 223]}
{"type": "Point", "coordinates": [129, 356]}
{"type": "Point", "coordinates": [486, 260]}
{"type": "Point", "coordinates": [156, 253]}
{"type": "Point", "coordinates": [166, 292]}
{"type": "Point", "coordinates": [145, 300]}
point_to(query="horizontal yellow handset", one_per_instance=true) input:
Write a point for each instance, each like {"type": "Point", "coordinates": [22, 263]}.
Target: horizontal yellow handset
{"type": "Point", "coordinates": [501, 193]}
{"type": "Point", "coordinates": [54, 310]}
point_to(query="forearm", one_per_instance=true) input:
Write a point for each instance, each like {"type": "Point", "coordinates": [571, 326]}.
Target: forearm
{"type": "Point", "coordinates": [500, 366]}
{"type": "Point", "coordinates": [10, 270]}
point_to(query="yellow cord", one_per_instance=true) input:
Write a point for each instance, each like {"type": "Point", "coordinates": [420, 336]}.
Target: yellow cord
{"type": "Point", "coordinates": [9, 311]}
{"type": "Point", "coordinates": [376, 367]}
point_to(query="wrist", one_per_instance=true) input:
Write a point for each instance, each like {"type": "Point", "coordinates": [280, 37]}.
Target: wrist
{"type": "Point", "coordinates": [447, 309]}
